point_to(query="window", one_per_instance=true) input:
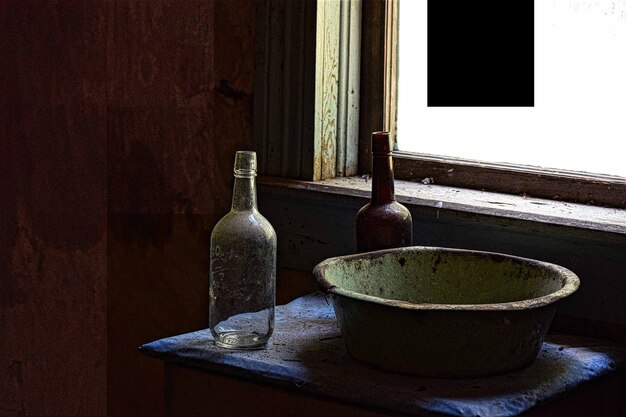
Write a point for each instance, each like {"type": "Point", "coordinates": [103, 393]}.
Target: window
{"type": "Point", "coordinates": [325, 77]}
{"type": "Point", "coordinates": [576, 124]}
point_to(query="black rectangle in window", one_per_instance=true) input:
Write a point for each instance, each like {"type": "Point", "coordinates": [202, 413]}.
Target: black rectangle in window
{"type": "Point", "coordinates": [480, 53]}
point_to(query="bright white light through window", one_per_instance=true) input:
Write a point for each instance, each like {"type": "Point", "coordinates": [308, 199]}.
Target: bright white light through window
{"type": "Point", "coordinates": [579, 119]}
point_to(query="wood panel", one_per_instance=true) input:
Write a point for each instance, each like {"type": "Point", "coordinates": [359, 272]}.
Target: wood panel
{"type": "Point", "coordinates": [348, 89]}
{"type": "Point", "coordinates": [120, 101]}
{"type": "Point", "coordinates": [372, 97]}
{"type": "Point", "coordinates": [391, 68]}
{"type": "Point", "coordinates": [596, 189]}
{"type": "Point", "coordinates": [284, 98]}
{"type": "Point", "coordinates": [307, 88]}
{"type": "Point", "coordinates": [196, 393]}
{"type": "Point", "coordinates": [180, 104]}
{"type": "Point", "coordinates": [52, 208]}
{"type": "Point", "coordinates": [157, 268]}
{"type": "Point", "coordinates": [234, 28]}
{"type": "Point", "coordinates": [160, 116]}
{"type": "Point", "coordinates": [160, 129]}
{"type": "Point", "coordinates": [326, 93]}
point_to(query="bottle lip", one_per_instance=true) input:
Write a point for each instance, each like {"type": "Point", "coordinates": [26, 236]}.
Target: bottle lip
{"type": "Point", "coordinates": [381, 143]}
{"type": "Point", "coordinates": [240, 173]}
{"type": "Point", "coordinates": [245, 164]}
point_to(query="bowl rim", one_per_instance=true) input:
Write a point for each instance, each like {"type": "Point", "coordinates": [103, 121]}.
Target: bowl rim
{"type": "Point", "coordinates": [572, 282]}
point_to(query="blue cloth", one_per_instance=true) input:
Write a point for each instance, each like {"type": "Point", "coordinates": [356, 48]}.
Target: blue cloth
{"type": "Point", "coordinates": [306, 353]}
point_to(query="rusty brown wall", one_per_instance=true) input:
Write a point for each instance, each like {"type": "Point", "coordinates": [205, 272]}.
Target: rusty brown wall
{"type": "Point", "coordinates": [118, 123]}
{"type": "Point", "coordinates": [181, 105]}
{"type": "Point", "coordinates": [52, 208]}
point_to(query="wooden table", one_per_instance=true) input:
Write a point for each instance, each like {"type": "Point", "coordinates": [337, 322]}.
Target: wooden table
{"type": "Point", "coordinates": [306, 371]}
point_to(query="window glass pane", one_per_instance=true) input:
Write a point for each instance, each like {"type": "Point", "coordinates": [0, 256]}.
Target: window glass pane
{"type": "Point", "coordinates": [579, 118]}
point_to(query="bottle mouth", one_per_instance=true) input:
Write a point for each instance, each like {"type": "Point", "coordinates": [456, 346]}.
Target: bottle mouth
{"type": "Point", "coordinates": [381, 144]}
{"type": "Point", "coordinates": [245, 164]}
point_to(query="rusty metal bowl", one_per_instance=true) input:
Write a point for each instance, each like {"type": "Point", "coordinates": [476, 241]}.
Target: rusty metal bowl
{"type": "Point", "coordinates": [444, 312]}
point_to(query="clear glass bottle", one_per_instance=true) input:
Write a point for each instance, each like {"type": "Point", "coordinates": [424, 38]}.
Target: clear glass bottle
{"type": "Point", "coordinates": [242, 273]}
{"type": "Point", "coordinates": [383, 223]}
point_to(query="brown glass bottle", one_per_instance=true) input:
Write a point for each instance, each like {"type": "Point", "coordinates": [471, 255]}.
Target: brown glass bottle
{"type": "Point", "coordinates": [383, 223]}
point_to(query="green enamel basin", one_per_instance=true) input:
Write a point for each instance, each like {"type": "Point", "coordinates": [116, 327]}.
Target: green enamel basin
{"type": "Point", "coordinates": [444, 312]}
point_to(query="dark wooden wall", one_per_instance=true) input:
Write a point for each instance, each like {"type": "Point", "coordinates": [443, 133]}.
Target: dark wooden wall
{"type": "Point", "coordinates": [174, 126]}
{"type": "Point", "coordinates": [118, 124]}
{"type": "Point", "coordinates": [52, 208]}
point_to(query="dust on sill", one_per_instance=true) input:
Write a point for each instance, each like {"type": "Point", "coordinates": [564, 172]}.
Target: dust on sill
{"type": "Point", "coordinates": [472, 201]}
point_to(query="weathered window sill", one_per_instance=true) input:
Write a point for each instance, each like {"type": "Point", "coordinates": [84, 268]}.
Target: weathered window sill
{"type": "Point", "coordinates": [315, 221]}
{"type": "Point", "coordinates": [560, 213]}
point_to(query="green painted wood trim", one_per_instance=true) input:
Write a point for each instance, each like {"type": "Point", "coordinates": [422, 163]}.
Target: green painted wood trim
{"type": "Point", "coordinates": [391, 68]}
{"type": "Point", "coordinates": [326, 88]}
{"type": "Point", "coordinates": [349, 92]}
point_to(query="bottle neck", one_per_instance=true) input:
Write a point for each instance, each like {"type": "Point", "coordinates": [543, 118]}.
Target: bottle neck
{"type": "Point", "coordinates": [244, 193]}
{"type": "Point", "coordinates": [382, 178]}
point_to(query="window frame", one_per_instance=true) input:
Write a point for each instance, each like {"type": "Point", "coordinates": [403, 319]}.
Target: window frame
{"type": "Point", "coordinates": [300, 139]}
{"type": "Point", "coordinates": [379, 69]}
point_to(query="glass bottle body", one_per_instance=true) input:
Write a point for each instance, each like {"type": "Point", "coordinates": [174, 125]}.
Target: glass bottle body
{"type": "Point", "coordinates": [242, 282]}
{"type": "Point", "coordinates": [383, 226]}
{"type": "Point", "coordinates": [383, 223]}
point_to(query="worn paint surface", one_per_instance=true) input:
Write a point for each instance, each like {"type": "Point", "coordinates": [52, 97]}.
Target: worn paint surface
{"type": "Point", "coordinates": [326, 94]}
{"type": "Point", "coordinates": [439, 278]}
